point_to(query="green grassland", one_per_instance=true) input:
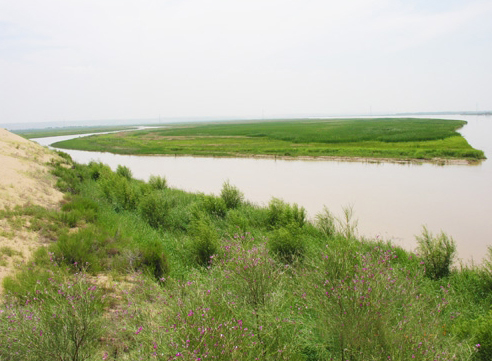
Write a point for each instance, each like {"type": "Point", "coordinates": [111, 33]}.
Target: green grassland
{"type": "Point", "coordinates": [135, 270]}
{"type": "Point", "coordinates": [400, 138]}
{"type": "Point", "coordinates": [54, 132]}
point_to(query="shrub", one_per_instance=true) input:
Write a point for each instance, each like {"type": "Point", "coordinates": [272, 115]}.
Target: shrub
{"type": "Point", "coordinates": [237, 220]}
{"type": "Point", "coordinates": [153, 258]}
{"type": "Point", "coordinates": [70, 179]}
{"type": "Point", "coordinates": [64, 325]}
{"type": "Point", "coordinates": [124, 172]}
{"type": "Point", "coordinates": [155, 209]}
{"type": "Point", "coordinates": [97, 170]}
{"type": "Point", "coordinates": [180, 217]}
{"type": "Point", "coordinates": [214, 206]}
{"type": "Point", "coordinates": [287, 244]}
{"type": "Point", "coordinates": [204, 242]}
{"type": "Point", "coordinates": [373, 311]}
{"type": "Point", "coordinates": [82, 249]}
{"type": "Point", "coordinates": [69, 218]}
{"type": "Point", "coordinates": [79, 208]}
{"type": "Point", "coordinates": [281, 214]}
{"type": "Point", "coordinates": [121, 192]}
{"type": "Point", "coordinates": [64, 155]}
{"type": "Point", "coordinates": [251, 274]}
{"type": "Point", "coordinates": [479, 334]}
{"type": "Point", "coordinates": [231, 195]}
{"type": "Point", "coordinates": [437, 253]}
{"type": "Point", "coordinates": [157, 182]}
{"type": "Point", "coordinates": [80, 204]}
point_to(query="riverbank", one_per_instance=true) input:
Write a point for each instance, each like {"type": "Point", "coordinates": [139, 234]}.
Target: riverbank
{"type": "Point", "coordinates": [139, 270]}
{"type": "Point", "coordinates": [437, 161]}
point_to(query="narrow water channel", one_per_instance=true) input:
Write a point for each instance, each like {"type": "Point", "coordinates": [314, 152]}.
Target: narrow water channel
{"type": "Point", "coordinates": [390, 201]}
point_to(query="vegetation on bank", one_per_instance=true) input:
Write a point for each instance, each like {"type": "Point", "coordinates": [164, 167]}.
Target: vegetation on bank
{"type": "Point", "coordinates": [399, 138]}
{"type": "Point", "coordinates": [141, 271]}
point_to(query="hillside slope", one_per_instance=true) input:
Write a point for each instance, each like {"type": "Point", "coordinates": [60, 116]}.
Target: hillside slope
{"type": "Point", "coordinates": [24, 180]}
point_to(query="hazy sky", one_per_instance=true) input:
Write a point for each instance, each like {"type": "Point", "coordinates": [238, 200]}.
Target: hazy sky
{"type": "Point", "coordinates": [121, 59]}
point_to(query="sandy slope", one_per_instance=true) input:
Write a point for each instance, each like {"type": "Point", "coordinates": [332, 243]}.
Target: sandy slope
{"type": "Point", "coordinates": [24, 179]}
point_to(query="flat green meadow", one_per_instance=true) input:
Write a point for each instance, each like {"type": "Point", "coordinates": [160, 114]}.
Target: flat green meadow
{"type": "Point", "coordinates": [55, 132]}
{"type": "Point", "coordinates": [396, 138]}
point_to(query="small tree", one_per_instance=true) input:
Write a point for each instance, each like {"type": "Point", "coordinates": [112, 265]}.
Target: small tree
{"type": "Point", "coordinates": [155, 209]}
{"type": "Point", "coordinates": [158, 182]}
{"type": "Point", "coordinates": [124, 171]}
{"type": "Point", "coordinates": [231, 195]}
{"type": "Point", "coordinates": [287, 244]}
{"type": "Point", "coordinates": [204, 242]}
{"type": "Point", "coordinates": [437, 252]}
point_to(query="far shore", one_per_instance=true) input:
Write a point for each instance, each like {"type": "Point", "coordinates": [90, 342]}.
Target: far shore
{"type": "Point", "coordinates": [324, 158]}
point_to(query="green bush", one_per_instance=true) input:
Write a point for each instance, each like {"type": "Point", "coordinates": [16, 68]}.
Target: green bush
{"type": "Point", "coordinates": [124, 172]}
{"type": "Point", "coordinates": [286, 243]}
{"type": "Point", "coordinates": [98, 170]}
{"type": "Point", "coordinates": [78, 209]}
{"type": "Point", "coordinates": [153, 258]}
{"type": "Point", "coordinates": [70, 179]}
{"type": "Point", "coordinates": [65, 324]}
{"type": "Point", "coordinates": [437, 252]}
{"type": "Point", "coordinates": [214, 206]}
{"type": "Point", "coordinates": [204, 242]}
{"type": "Point", "coordinates": [478, 332]}
{"type": "Point", "coordinates": [157, 182]}
{"type": "Point", "coordinates": [65, 156]}
{"type": "Point", "coordinates": [155, 209]}
{"type": "Point", "coordinates": [81, 204]}
{"type": "Point", "coordinates": [482, 339]}
{"type": "Point", "coordinates": [231, 195]}
{"type": "Point", "coordinates": [83, 249]}
{"type": "Point", "coordinates": [122, 193]}
{"type": "Point", "coordinates": [281, 214]}
{"type": "Point", "coordinates": [237, 220]}
{"type": "Point", "coordinates": [180, 217]}
{"type": "Point", "coordinates": [69, 218]}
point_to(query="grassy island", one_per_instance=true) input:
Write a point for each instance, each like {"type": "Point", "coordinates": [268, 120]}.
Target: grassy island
{"type": "Point", "coordinates": [55, 132]}
{"type": "Point", "coordinates": [391, 138]}
{"type": "Point", "coordinates": [135, 270]}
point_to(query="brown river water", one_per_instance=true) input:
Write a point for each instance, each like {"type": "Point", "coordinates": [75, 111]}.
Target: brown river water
{"type": "Point", "coordinates": [390, 201]}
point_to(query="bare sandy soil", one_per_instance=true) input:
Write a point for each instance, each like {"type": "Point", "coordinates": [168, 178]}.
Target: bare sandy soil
{"type": "Point", "coordinates": [24, 180]}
